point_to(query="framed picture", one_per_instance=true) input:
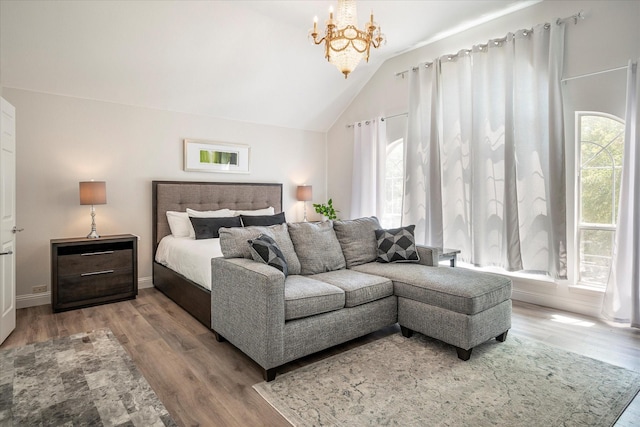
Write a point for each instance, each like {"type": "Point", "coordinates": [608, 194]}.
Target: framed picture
{"type": "Point", "coordinates": [209, 156]}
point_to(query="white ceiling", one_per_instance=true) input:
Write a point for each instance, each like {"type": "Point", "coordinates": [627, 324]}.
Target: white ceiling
{"type": "Point", "coordinates": [242, 60]}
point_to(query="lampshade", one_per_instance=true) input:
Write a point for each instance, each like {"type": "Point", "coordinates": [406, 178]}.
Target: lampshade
{"type": "Point", "coordinates": [93, 193]}
{"type": "Point", "coordinates": [304, 193]}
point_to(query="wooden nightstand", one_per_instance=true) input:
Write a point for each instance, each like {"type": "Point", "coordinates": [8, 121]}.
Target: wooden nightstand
{"type": "Point", "coordinates": [87, 272]}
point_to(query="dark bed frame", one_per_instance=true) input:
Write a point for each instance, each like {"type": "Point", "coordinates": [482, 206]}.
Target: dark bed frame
{"type": "Point", "coordinates": [179, 195]}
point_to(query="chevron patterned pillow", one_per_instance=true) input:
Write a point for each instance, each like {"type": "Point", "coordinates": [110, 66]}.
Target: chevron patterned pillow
{"type": "Point", "coordinates": [397, 245]}
{"type": "Point", "coordinates": [264, 249]}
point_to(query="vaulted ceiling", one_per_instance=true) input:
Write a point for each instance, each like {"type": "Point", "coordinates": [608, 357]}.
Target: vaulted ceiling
{"type": "Point", "coordinates": [250, 61]}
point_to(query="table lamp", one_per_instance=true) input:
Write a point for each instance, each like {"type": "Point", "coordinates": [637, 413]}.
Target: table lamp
{"type": "Point", "coordinates": [304, 194]}
{"type": "Point", "coordinates": [93, 193]}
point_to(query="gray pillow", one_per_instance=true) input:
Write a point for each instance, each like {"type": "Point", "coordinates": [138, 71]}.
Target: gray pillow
{"type": "Point", "coordinates": [233, 243]}
{"type": "Point", "coordinates": [397, 245]}
{"type": "Point", "coordinates": [264, 249]}
{"type": "Point", "coordinates": [357, 238]}
{"type": "Point", "coordinates": [317, 247]}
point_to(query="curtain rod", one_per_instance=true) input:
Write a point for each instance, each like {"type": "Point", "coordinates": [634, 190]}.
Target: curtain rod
{"type": "Point", "coordinates": [595, 73]}
{"type": "Point", "coordinates": [574, 17]}
{"type": "Point", "coordinates": [383, 119]}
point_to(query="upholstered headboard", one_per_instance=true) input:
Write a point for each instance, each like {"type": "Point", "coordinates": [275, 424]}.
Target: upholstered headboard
{"type": "Point", "coordinates": [205, 196]}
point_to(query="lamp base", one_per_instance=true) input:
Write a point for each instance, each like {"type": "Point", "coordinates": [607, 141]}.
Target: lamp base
{"type": "Point", "coordinates": [93, 235]}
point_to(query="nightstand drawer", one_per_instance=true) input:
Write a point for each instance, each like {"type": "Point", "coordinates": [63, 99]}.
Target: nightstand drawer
{"type": "Point", "coordinates": [94, 261]}
{"type": "Point", "coordinates": [93, 285]}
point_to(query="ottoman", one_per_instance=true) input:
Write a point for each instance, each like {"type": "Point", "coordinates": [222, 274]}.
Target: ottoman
{"type": "Point", "coordinates": [460, 307]}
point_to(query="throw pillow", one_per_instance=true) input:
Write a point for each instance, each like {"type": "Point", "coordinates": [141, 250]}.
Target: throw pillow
{"type": "Point", "coordinates": [357, 239]}
{"type": "Point", "coordinates": [208, 228]}
{"type": "Point", "coordinates": [397, 245]}
{"type": "Point", "coordinates": [233, 243]}
{"type": "Point", "coordinates": [264, 249]}
{"type": "Point", "coordinates": [264, 220]}
{"type": "Point", "coordinates": [317, 247]}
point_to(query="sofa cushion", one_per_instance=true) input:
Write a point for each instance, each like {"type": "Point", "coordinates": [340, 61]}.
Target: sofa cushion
{"type": "Point", "coordinates": [397, 245]}
{"type": "Point", "coordinates": [233, 243]}
{"type": "Point", "coordinates": [357, 239]}
{"type": "Point", "coordinates": [456, 289]}
{"type": "Point", "coordinates": [304, 296]}
{"type": "Point", "coordinates": [264, 249]}
{"type": "Point", "coordinates": [359, 288]}
{"type": "Point", "coordinates": [317, 247]}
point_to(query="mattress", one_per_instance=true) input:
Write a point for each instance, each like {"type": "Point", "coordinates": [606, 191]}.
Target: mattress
{"type": "Point", "coordinates": [189, 257]}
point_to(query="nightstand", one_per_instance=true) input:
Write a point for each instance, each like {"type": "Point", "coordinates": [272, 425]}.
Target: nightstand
{"type": "Point", "coordinates": [87, 272]}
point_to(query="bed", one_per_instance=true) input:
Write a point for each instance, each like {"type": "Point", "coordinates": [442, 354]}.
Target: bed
{"type": "Point", "coordinates": [202, 196]}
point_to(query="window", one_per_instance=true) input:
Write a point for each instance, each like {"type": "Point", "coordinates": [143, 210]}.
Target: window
{"type": "Point", "coordinates": [394, 185]}
{"type": "Point", "coordinates": [600, 146]}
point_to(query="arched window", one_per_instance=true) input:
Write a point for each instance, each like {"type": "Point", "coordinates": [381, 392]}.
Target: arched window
{"type": "Point", "coordinates": [394, 182]}
{"type": "Point", "coordinates": [600, 139]}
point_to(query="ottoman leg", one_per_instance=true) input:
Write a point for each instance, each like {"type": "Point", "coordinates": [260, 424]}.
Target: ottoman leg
{"type": "Point", "coordinates": [463, 354]}
{"type": "Point", "coordinates": [502, 336]}
{"type": "Point", "coordinates": [406, 332]}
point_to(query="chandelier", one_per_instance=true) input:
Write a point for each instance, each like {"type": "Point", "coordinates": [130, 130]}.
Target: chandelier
{"type": "Point", "coordinates": [345, 44]}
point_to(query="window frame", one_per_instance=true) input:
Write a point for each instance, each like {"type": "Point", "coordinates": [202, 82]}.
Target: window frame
{"type": "Point", "coordinates": [580, 226]}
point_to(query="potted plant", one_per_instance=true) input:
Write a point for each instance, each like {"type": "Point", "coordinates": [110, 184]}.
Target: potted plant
{"type": "Point", "coordinates": [326, 210]}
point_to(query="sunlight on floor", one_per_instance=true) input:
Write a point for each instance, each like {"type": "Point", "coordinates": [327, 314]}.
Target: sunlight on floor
{"type": "Point", "coordinates": [570, 320]}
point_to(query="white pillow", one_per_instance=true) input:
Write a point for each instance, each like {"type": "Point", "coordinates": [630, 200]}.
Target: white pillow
{"type": "Point", "coordinates": [266, 211]}
{"type": "Point", "coordinates": [220, 213]}
{"type": "Point", "coordinates": [180, 224]}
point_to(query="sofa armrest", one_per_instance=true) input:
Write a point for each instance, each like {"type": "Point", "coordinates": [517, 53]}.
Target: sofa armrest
{"type": "Point", "coordinates": [247, 308]}
{"type": "Point", "coordinates": [428, 255]}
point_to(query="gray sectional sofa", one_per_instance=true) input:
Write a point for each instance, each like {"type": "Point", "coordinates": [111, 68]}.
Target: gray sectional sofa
{"type": "Point", "coordinates": [335, 291]}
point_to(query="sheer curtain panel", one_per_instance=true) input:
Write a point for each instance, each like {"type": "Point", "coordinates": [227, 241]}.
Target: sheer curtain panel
{"type": "Point", "coordinates": [622, 298]}
{"type": "Point", "coordinates": [422, 202]}
{"type": "Point", "coordinates": [369, 154]}
{"type": "Point", "coordinates": [485, 159]}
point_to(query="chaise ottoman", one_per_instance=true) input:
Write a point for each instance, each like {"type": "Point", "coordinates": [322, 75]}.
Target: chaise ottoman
{"type": "Point", "coordinates": [460, 307]}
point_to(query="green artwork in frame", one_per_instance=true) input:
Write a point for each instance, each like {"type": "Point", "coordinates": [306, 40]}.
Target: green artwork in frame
{"type": "Point", "coordinates": [209, 156]}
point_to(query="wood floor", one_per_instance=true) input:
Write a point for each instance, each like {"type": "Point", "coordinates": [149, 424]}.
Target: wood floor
{"type": "Point", "coordinates": [206, 383]}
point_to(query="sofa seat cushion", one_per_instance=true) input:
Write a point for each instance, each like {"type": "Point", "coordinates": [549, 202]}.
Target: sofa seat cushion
{"type": "Point", "coordinates": [359, 288]}
{"type": "Point", "coordinates": [304, 296]}
{"type": "Point", "coordinates": [456, 289]}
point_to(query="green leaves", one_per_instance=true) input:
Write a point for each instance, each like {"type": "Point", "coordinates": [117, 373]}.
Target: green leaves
{"type": "Point", "coordinates": [326, 210]}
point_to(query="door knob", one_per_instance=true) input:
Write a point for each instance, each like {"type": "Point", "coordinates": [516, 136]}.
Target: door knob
{"type": "Point", "coordinates": [16, 229]}
{"type": "Point", "coordinates": [6, 253]}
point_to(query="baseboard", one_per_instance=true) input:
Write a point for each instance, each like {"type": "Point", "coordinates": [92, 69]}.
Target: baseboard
{"type": "Point", "coordinates": [44, 298]}
{"type": "Point", "coordinates": [574, 305]}
{"type": "Point", "coordinates": [32, 300]}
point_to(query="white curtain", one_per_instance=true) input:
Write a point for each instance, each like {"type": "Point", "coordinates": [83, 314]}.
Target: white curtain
{"type": "Point", "coordinates": [369, 154]}
{"type": "Point", "coordinates": [497, 153]}
{"type": "Point", "coordinates": [622, 298]}
{"type": "Point", "coordinates": [422, 202]}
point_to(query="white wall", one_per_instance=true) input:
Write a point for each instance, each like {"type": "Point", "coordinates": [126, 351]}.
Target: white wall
{"type": "Point", "coordinates": [63, 140]}
{"type": "Point", "coordinates": [607, 38]}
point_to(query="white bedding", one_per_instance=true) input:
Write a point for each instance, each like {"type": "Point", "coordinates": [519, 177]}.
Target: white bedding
{"type": "Point", "coordinates": [189, 257]}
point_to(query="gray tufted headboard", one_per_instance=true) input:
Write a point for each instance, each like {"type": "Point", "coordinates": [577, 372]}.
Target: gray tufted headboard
{"type": "Point", "coordinates": [205, 196]}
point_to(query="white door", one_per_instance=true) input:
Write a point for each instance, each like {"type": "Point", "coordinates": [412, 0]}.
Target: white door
{"type": "Point", "coordinates": [7, 219]}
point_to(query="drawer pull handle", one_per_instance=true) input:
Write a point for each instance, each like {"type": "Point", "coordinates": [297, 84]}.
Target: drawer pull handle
{"type": "Point", "coordinates": [97, 253]}
{"type": "Point", "coordinates": [93, 273]}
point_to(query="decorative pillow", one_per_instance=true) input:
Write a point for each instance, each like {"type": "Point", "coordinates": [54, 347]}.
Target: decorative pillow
{"type": "Point", "coordinates": [358, 240]}
{"type": "Point", "coordinates": [179, 224]}
{"type": "Point", "coordinates": [397, 245]}
{"type": "Point", "coordinates": [233, 243]}
{"type": "Point", "coordinates": [266, 211]}
{"type": "Point", "coordinates": [249, 220]}
{"type": "Point", "coordinates": [264, 249]}
{"type": "Point", "coordinates": [207, 228]}
{"type": "Point", "coordinates": [317, 247]}
{"type": "Point", "coordinates": [220, 213]}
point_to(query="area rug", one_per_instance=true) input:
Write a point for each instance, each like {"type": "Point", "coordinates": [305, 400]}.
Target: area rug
{"type": "Point", "coordinates": [86, 379]}
{"type": "Point", "coordinates": [419, 381]}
